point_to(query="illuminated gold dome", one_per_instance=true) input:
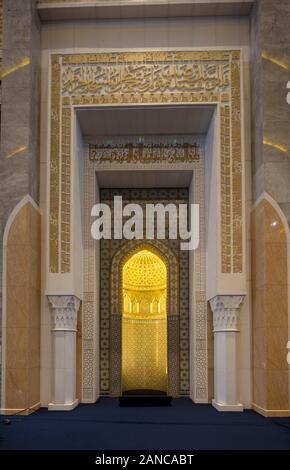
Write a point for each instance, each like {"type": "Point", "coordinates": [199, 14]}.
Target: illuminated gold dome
{"type": "Point", "coordinates": [144, 271]}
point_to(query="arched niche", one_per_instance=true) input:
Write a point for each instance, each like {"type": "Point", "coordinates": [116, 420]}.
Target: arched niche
{"type": "Point", "coordinates": [122, 256]}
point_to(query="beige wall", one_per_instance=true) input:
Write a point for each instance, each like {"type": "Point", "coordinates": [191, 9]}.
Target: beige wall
{"type": "Point", "coordinates": [270, 311]}
{"type": "Point", "coordinates": [146, 33]}
{"type": "Point", "coordinates": [22, 374]}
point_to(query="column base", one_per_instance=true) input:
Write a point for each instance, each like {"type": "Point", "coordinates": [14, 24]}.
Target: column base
{"type": "Point", "coordinates": [223, 407]}
{"type": "Point", "coordinates": [64, 407]}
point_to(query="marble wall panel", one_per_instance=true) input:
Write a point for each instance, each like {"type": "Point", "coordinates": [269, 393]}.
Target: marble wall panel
{"type": "Point", "coordinates": [22, 354]}
{"type": "Point", "coordinates": [270, 311]}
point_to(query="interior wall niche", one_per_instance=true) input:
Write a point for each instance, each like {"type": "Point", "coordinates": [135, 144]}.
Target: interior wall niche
{"type": "Point", "coordinates": [163, 78]}
{"type": "Point", "coordinates": [187, 184]}
{"type": "Point", "coordinates": [144, 279]}
{"type": "Point", "coordinates": [113, 252]}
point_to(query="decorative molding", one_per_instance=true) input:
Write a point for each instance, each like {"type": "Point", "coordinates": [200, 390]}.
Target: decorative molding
{"type": "Point", "coordinates": [226, 213]}
{"type": "Point", "coordinates": [64, 310]}
{"type": "Point", "coordinates": [104, 9]}
{"type": "Point", "coordinates": [90, 308]}
{"type": "Point", "coordinates": [55, 122]}
{"type": "Point", "coordinates": [236, 169]}
{"type": "Point", "coordinates": [64, 1]}
{"type": "Point", "coordinates": [226, 313]}
{"type": "Point", "coordinates": [153, 77]}
{"type": "Point", "coordinates": [65, 189]}
{"type": "Point", "coordinates": [20, 411]}
{"type": "Point", "coordinates": [144, 153]}
{"type": "Point", "coordinates": [271, 413]}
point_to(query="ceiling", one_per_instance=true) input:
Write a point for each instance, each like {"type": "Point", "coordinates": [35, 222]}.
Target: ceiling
{"type": "Point", "coordinates": [144, 178]}
{"type": "Point", "coordinates": [145, 120]}
{"type": "Point", "coordinates": [123, 9]}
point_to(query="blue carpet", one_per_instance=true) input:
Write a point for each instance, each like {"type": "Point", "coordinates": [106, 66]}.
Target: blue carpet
{"type": "Point", "coordinates": [106, 426]}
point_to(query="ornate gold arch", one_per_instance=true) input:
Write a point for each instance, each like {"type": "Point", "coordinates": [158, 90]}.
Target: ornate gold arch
{"type": "Point", "coordinates": [155, 77]}
{"type": "Point", "coordinates": [169, 258]}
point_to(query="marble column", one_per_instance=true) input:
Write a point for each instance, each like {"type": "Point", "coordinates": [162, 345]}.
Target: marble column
{"type": "Point", "coordinates": [226, 328]}
{"type": "Point", "coordinates": [64, 310]}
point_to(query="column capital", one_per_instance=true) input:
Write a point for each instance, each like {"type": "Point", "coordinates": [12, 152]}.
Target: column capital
{"type": "Point", "coordinates": [226, 312]}
{"type": "Point", "coordinates": [64, 310]}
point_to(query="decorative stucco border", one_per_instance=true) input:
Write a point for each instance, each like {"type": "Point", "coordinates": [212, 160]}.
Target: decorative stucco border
{"type": "Point", "coordinates": [184, 77]}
